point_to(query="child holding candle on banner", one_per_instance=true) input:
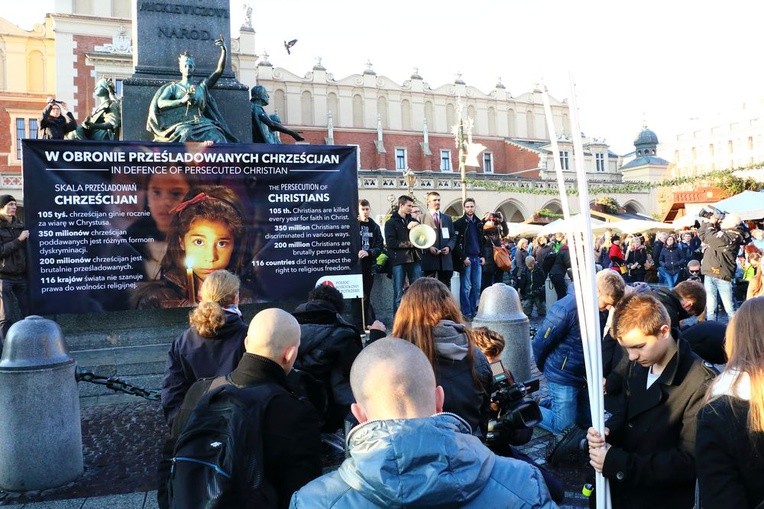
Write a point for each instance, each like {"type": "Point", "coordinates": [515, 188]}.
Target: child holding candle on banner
{"type": "Point", "coordinates": [208, 233]}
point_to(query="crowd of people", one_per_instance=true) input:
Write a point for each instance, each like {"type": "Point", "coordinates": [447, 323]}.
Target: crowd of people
{"type": "Point", "coordinates": [683, 395]}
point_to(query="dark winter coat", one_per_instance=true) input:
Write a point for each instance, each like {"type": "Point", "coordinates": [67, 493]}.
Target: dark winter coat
{"type": "Point", "coordinates": [328, 347]}
{"type": "Point", "coordinates": [720, 257]}
{"type": "Point", "coordinates": [730, 467]}
{"type": "Point", "coordinates": [531, 283]}
{"type": "Point", "coordinates": [557, 347]}
{"type": "Point", "coordinates": [672, 259]}
{"type": "Point", "coordinates": [651, 462]}
{"type": "Point", "coordinates": [460, 252]}
{"type": "Point", "coordinates": [192, 357]}
{"type": "Point", "coordinates": [13, 256]}
{"type": "Point", "coordinates": [561, 262]}
{"type": "Point", "coordinates": [290, 433]}
{"type": "Point", "coordinates": [638, 256]}
{"type": "Point", "coordinates": [55, 128]}
{"type": "Point", "coordinates": [540, 253]}
{"type": "Point", "coordinates": [399, 247]}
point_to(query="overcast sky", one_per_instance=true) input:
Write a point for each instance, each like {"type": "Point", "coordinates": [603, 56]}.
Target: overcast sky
{"type": "Point", "coordinates": [652, 61]}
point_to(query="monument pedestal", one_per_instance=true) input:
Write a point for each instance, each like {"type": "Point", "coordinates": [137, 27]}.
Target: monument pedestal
{"type": "Point", "coordinates": [161, 32]}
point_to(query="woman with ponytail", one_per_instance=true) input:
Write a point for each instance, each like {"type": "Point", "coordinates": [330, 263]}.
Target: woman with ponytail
{"type": "Point", "coordinates": [211, 346]}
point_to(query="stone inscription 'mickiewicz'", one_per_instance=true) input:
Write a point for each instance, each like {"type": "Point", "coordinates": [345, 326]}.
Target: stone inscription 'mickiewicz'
{"type": "Point", "coordinates": [177, 8]}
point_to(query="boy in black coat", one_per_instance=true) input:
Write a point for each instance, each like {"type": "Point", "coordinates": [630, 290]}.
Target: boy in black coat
{"type": "Point", "coordinates": [649, 459]}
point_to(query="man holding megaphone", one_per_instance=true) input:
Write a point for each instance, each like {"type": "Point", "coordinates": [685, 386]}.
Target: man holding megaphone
{"type": "Point", "coordinates": [404, 255]}
{"type": "Point", "coordinates": [436, 252]}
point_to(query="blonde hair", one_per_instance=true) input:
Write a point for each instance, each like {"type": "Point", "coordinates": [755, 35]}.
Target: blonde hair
{"type": "Point", "coordinates": [744, 346]}
{"type": "Point", "coordinates": [218, 291]}
{"type": "Point", "coordinates": [490, 342]}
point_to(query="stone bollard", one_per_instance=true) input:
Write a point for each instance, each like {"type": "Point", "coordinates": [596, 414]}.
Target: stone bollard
{"type": "Point", "coordinates": [40, 428]}
{"type": "Point", "coordinates": [500, 310]}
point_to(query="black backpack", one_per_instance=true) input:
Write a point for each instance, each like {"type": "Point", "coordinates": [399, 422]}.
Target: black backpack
{"type": "Point", "coordinates": [218, 457]}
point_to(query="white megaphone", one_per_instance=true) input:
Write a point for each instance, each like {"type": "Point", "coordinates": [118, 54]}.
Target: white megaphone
{"type": "Point", "coordinates": [423, 236]}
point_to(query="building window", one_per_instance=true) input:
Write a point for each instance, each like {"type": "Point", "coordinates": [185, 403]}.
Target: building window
{"type": "Point", "coordinates": [400, 159]}
{"type": "Point", "coordinates": [599, 160]}
{"type": "Point", "coordinates": [564, 160]}
{"type": "Point", "coordinates": [32, 128]}
{"type": "Point", "coordinates": [445, 160]}
{"type": "Point", "coordinates": [25, 129]}
{"type": "Point", "coordinates": [487, 162]}
{"type": "Point", "coordinates": [21, 133]}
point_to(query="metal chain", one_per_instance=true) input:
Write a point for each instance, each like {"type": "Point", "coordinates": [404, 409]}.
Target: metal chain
{"type": "Point", "coordinates": [115, 384]}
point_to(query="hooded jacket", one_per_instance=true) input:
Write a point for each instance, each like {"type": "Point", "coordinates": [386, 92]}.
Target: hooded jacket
{"type": "Point", "coordinates": [453, 372]}
{"type": "Point", "coordinates": [426, 462]}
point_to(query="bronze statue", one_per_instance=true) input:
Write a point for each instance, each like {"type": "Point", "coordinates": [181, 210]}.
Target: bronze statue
{"type": "Point", "coordinates": [264, 127]}
{"type": "Point", "coordinates": [104, 121]}
{"type": "Point", "coordinates": [183, 111]}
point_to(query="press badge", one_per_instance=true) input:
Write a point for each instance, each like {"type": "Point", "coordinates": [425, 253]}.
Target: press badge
{"type": "Point", "coordinates": [444, 232]}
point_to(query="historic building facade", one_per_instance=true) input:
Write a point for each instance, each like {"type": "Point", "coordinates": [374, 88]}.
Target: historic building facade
{"type": "Point", "coordinates": [395, 127]}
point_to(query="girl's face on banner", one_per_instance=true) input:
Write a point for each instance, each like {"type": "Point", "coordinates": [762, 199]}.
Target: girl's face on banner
{"type": "Point", "coordinates": [165, 192]}
{"type": "Point", "coordinates": [209, 245]}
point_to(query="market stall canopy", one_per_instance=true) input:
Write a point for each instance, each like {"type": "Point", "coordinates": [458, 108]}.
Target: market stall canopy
{"type": "Point", "coordinates": [523, 229]}
{"type": "Point", "coordinates": [562, 226]}
{"type": "Point", "coordinates": [641, 226]}
{"type": "Point", "coordinates": [748, 205]}
{"type": "Point", "coordinates": [686, 221]}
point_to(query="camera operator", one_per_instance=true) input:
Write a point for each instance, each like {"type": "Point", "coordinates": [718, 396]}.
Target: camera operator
{"type": "Point", "coordinates": [56, 120]}
{"type": "Point", "coordinates": [723, 234]}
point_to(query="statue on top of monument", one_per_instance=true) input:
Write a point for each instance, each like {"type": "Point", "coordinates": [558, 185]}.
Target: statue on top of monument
{"type": "Point", "coordinates": [104, 121]}
{"type": "Point", "coordinates": [185, 111]}
{"type": "Point", "coordinates": [263, 126]}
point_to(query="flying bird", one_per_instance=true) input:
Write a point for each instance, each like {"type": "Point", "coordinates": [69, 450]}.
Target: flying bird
{"type": "Point", "coordinates": [288, 45]}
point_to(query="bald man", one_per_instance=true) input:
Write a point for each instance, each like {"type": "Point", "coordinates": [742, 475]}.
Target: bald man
{"type": "Point", "coordinates": [405, 453]}
{"type": "Point", "coordinates": [290, 429]}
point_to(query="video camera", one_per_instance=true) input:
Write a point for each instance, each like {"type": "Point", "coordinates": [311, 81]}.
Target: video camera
{"type": "Point", "coordinates": [515, 410]}
{"type": "Point", "coordinates": [712, 212]}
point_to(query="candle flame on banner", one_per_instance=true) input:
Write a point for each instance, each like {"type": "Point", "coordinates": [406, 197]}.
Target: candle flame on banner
{"type": "Point", "coordinates": [190, 280]}
{"type": "Point", "coordinates": [580, 240]}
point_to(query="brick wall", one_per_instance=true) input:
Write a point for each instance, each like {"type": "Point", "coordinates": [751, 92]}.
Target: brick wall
{"type": "Point", "coordinates": [83, 81]}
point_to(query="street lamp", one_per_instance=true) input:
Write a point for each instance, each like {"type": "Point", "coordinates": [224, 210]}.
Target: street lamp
{"type": "Point", "coordinates": [410, 178]}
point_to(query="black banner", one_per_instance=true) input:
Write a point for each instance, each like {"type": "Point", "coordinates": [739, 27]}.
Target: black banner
{"type": "Point", "coordinates": [123, 225]}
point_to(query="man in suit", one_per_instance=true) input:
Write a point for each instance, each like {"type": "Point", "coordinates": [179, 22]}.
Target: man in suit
{"type": "Point", "coordinates": [436, 260]}
{"type": "Point", "coordinates": [649, 457]}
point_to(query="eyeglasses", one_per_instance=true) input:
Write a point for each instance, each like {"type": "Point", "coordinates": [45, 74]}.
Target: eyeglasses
{"type": "Point", "coordinates": [694, 272]}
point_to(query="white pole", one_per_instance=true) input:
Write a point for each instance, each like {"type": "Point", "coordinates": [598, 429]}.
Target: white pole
{"type": "Point", "coordinates": [589, 312]}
